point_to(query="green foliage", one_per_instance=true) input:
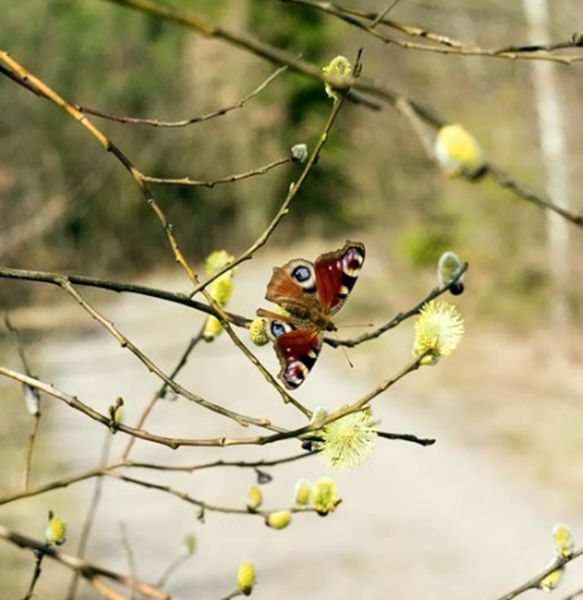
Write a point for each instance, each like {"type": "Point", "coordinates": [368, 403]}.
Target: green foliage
{"type": "Point", "coordinates": [422, 245]}
{"type": "Point", "coordinates": [294, 28]}
{"type": "Point", "coordinates": [104, 58]}
{"type": "Point", "coordinates": [324, 207]}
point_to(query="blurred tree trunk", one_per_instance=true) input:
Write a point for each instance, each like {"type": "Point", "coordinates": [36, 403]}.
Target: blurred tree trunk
{"type": "Point", "coordinates": [553, 142]}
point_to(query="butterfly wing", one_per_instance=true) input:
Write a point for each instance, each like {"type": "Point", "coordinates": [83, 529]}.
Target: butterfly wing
{"type": "Point", "coordinates": [335, 275]}
{"type": "Point", "coordinates": [293, 287]}
{"type": "Point", "coordinates": [297, 350]}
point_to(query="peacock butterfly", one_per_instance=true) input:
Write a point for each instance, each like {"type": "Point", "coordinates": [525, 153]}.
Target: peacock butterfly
{"type": "Point", "coordinates": [311, 293]}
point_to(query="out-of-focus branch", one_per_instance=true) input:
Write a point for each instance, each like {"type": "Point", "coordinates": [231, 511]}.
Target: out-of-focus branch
{"type": "Point", "coordinates": [161, 392]}
{"type": "Point", "coordinates": [35, 225]}
{"type": "Point", "coordinates": [91, 572]}
{"type": "Point", "coordinates": [33, 402]}
{"type": "Point", "coordinates": [443, 44]}
{"type": "Point", "coordinates": [534, 583]}
{"type": "Point", "coordinates": [91, 514]}
{"type": "Point", "coordinates": [35, 576]}
{"type": "Point", "coordinates": [373, 87]}
{"type": "Point", "coordinates": [272, 54]}
{"type": "Point", "coordinates": [574, 595]}
{"type": "Point", "coordinates": [523, 191]}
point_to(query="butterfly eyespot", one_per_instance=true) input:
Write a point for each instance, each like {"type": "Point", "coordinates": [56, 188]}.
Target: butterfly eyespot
{"type": "Point", "coordinates": [301, 274]}
{"type": "Point", "coordinates": [295, 373]}
{"type": "Point", "coordinates": [277, 328]}
{"type": "Point", "coordinates": [352, 261]}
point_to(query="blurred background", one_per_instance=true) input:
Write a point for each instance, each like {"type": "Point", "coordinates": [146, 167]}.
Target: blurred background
{"type": "Point", "coordinates": [505, 408]}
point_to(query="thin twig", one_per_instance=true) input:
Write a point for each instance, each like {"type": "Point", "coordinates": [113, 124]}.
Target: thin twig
{"type": "Point", "coordinates": [187, 181]}
{"type": "Point", "coordinates": [168, 229]}
{"type": "Point", "coordinates": [346, 410]}
{"type": "Point", "coordinates": [130, 555]}
{"type": "Point", "coordinates": [55, 485]}
{"type": "Point", "coordinates": [184, 123]}
{"type": "Point", "coordinates": [34, 401]}
{"type": "Point", "coordinates": [232, 595]}
{"type": "Point", "coordinates": [534, 583]}
{"type": "Point", "coordinates": [102, 471]}
{"type": "Point", "coordinates": [374, 87]}
{"type": "Point", "coordinates": [35, 575]}
{"type": "Point", "coordinates": [124, 342]}
{"type": "Point", "coordinates": [282, 434]}
{"type": "Point", "coordinates": [523, 191]}
{"type": "Point", "coordinates": [30, 451]}
{"type": "Point", "coordinates": [204, 506]}
{"type": "Point", "coordinates": [407, 437]}
{"type": "Point", "coordinates": [74, 402]}
{"type": "Point", "coordinates": [91, 513]}
{"type": "Point", "coordinates": [89, 571]}
{"type": "Point", "coordinates": [117, 286]}
{"type": "Point", "coordinates": [443, 44]}
{"type": "Point", "coordinates": [396, 320]}
{"type": "Point", "coordinates": [294, 188]}
{"type": "Point", "coordinates": [174, 565]}
{"type": "Point", "coordinates": [219, 463]}
{"type": "Point", "coordinates": [270, 53]}
{"type": "Point", "coordinates": [161, 392]}
{"type": "Point", "coordinates": [18, 343]}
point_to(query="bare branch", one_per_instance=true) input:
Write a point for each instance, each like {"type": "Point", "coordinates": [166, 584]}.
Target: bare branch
{"type": "Point", "coordinates": [91, 514]}
{"type": "Point", "coordinates": [89, 571]}
{"type": "Point", "coordinates": [445, 45]}
{"type": "Point", "coordinates": [184, 123]}
{"type": "Point", "coordinates": [116, 286]}
{"type": "Point", "coordinates": [523, 191]}
{"type": "Point", "coordinates": [407, 437]}
{"type": "Point", "coordinates": [402, 316]}
{"type": "Point", "coordinates": [534, 583]}
{"type": "Point", "coordinates": [173, 443]}
{"type": "Point", "coordinates": [34, 401]}
{"type": "Point", "coordinates": [163, 389]}
{"type": "Point", "coordinates": [187, 181]}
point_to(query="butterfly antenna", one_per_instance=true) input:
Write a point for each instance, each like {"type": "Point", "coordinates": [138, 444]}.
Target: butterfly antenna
{"type": "Point", "coordinates": [344, 351]}
{"type": "Point", "coordinates": [357, 325]}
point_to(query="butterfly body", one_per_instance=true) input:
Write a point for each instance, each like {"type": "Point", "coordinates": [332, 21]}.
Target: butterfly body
{"type": "Point", "coordinates": [310, 294]}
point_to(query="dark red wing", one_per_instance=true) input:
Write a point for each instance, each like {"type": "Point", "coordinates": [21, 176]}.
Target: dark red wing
{"type": "Point", "coordinates": [297, 351]}
{"type": "Point", "coordinates": [336, 274]}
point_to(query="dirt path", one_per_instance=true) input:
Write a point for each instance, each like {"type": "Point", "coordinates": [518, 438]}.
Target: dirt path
{"type": "Point", "coordinates": [448, 522]}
